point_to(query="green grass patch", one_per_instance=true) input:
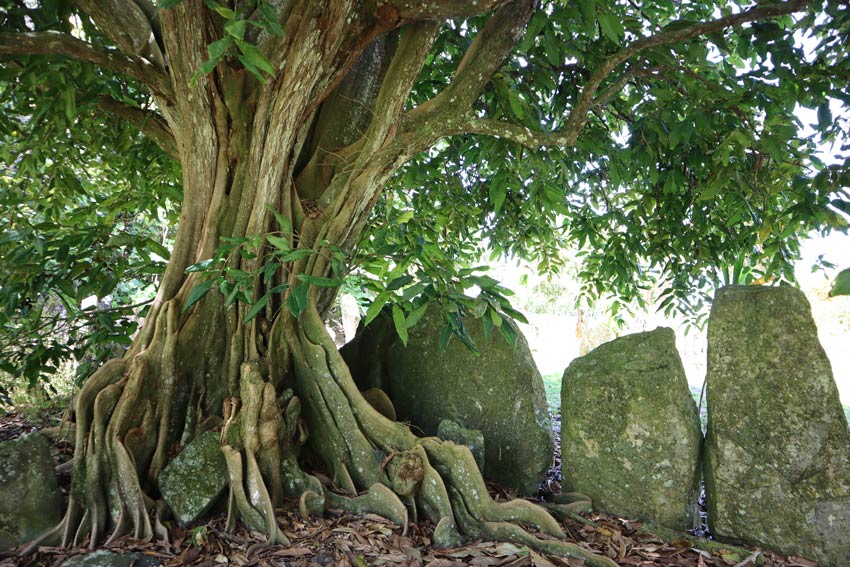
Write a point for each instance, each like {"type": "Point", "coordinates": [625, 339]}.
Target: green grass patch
{"type": "Point", "coordinates": [552, 385]}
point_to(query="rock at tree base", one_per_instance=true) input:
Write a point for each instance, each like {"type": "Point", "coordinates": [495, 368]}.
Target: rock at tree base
{"type": "Point", "coordinates": [30, 502]}
{"type": "Point", "coordinates": [448, 430]}
{"type": "Point", "coordinates": [106, 558]}
{"type": "Point", "coordinates": [498, 391]}
{"type": "Point", "coordinates": [195, 479]}
{"type": "Point", "coordinates": [777, 459]}
{"type": "Point", "coordinates": [630, 434]}
{"type": "Point", "coordinates": [7, 541]}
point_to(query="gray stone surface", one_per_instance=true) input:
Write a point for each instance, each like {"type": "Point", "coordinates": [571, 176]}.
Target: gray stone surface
{"type": "Point", "coordinates": [777, 446]}
{"type": "Point", "coordinates": [30, 502]}
{"type": "Point", "coordinates": [498, 391]}
{"type": "Point", "coordinates": [195, 479]}
{"type": "Point", "coordinates": [448, 430]}
{"type": "Point", "coordinates": [7, 541]}
{"type": "Point", "coordinates": [106, 558]}
{"type": "Point", "coordinates": [630, 434]}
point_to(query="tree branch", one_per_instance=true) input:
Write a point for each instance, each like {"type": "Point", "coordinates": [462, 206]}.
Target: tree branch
{"type": "Point", "coordinates": [443, 9]}
{"type": "Point", "coordinates": [578, 114]}
{"type": "Point", "coordinates": [483, 58]}
{"type": "Point", "coordinates": [57, 43]}
{"type": "Point", "coordinates": [463, 122]}
{"type": "Point", "coordinates": [148, 123]}
{"type": "Point", "coordinates": [127, 24]}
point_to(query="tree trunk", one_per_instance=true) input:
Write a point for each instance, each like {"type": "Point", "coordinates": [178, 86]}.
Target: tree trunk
{"type": "Point", "coordinates": [315, 145]}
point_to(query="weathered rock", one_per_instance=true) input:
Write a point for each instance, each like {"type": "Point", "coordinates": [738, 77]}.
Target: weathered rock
{"type": "Point", "coordinates": [106, 558]}
{"type": "Point", "coordinates": [195, 479]}
{"type": "Point", "coordinates": [630, 433]}
{"type": "Point", "coordinates": [30, 502]}
{"type": "Point", "coordinates": [777, 459]}
{"type": "Point", "coordinates": [498, 391]}
{"type": "Point", "coordinates": [7, 541]}
{"type": "Point", "coordinates": [448, 430]}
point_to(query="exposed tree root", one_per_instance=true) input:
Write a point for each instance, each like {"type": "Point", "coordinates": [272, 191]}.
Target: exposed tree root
{"type": "Point", "coordinates": [729, 553]}
{"type": "Point", "coordinates": [428, 476]}
{"type": "Point", "coordinates": [124, 434]}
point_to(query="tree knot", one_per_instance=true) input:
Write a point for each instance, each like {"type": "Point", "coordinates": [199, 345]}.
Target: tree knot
{"type": "Point", "coordinates": [406, 472]}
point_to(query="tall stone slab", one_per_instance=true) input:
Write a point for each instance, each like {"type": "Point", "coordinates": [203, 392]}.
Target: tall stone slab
{"type": "Point", "coordinates": [630, 433]}
{"type": "Point", "coordinates": [497, 391]}
{"type": "Point", "coordinates": [777, 458]}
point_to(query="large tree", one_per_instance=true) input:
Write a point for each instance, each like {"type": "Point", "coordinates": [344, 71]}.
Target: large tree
{"type": "Point", "coordinates": [660, 137]}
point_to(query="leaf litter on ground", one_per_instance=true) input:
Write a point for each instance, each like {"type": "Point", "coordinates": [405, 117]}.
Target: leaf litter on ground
{"type": "Point", "coordinates": [370, 540]}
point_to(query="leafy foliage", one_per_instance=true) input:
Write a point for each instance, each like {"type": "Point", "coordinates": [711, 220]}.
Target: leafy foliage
{"type": "Point", "coordinates": [691, 170]}
{"type": "Point", "coordinates": [85, 211]}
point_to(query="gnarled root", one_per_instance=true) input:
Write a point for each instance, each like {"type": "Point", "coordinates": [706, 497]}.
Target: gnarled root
{"type": "Point", "coordinates": [436, 478]}
{"type": "Point", "coordinates": [253, 433]}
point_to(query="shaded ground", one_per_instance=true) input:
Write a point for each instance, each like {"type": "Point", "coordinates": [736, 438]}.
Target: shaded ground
{"type": "Point", "coordinates": [371, 540]}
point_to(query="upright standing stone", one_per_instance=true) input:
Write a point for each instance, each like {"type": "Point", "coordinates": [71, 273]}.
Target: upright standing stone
{"type": "Point", "coordinates": [630, 434]}
{"type": "Point", "coordinates": [777, 469]}
{"type": "Point", "coordinates": [497, 391]}
{"type": "Point", "coordinates": [30, 502]}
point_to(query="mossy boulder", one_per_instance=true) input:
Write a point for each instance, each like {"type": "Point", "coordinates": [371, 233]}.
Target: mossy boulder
{"type": "Point", "coordinates": [195, 479]}
{"type": "Point", "coordinates": [497, 391]}
{"type": "Point", "coordinates": [777, 468]}
{"type": "Point", "coordinates": [630, 433]}
{"type": "Point", "coordinates": [30, 502]}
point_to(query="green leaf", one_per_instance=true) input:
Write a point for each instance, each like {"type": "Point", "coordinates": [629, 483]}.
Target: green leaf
{"type": "Point", "coordinates": [841, 286]}
{"type": "Point", "coordinates": [254, 60]}
{"type": "Point", "coordinates": [375, 307]}
{"type": "Point", "coordinates": [399, 282]}
{"type": "Point", "coordinates": [445, 336]}
{"type": "Point", "coordinates": [296, 301]}
{"type": "Point", "coordinates": [415, 315]}
{"type": "Point", "coordinates": [295, 255]}
{"type": "Point", "coordinates": [218, 48]}
{"type": "Point", "coordinates": [611, 26]}
{"type": "Point", "coordinates": [236, 28]}
{"type": "Point", "coordinates": [400, 324]}
{"type": "Point", "coordinates": [223, 11]}
{"type": "Point", "coordinates": [269, 271]}
{"type": "Point", "coordinates": [70, 99]}
{"type": "Point", "coordinates": [509, 333]}
{"type": "Point", "coordinates": [488, 327]}
{"type": "Point", "coordinates": [497, 192]}
{"type": "Point", "coordinates": [158, 248]}
{"type": "Point", "coordinates": [413, 291]}
{"type": "Point", "coordinates": [269, 18]}
{"type": "Point", "coordinates": [257, 307]}
{"type": "Point", "coordinates": [201, 266]}
{"type": "Point", "coordinates": [279, 242]}
{"type": "Point", "coordinates": [197, 293]}
{"type": "Point", "coordinates": [824, 115]}
{"type": "Point", "coordinates": [282, 222]}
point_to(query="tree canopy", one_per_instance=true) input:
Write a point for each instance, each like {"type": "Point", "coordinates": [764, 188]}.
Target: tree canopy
{"type": "Point", "coordinates": [661, 140]}
{"type": "Point", "coordinates": [302, 141]}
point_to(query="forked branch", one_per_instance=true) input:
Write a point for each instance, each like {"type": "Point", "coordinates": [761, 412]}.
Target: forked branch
{"type": "Point", "coordinates": [462, 121]}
